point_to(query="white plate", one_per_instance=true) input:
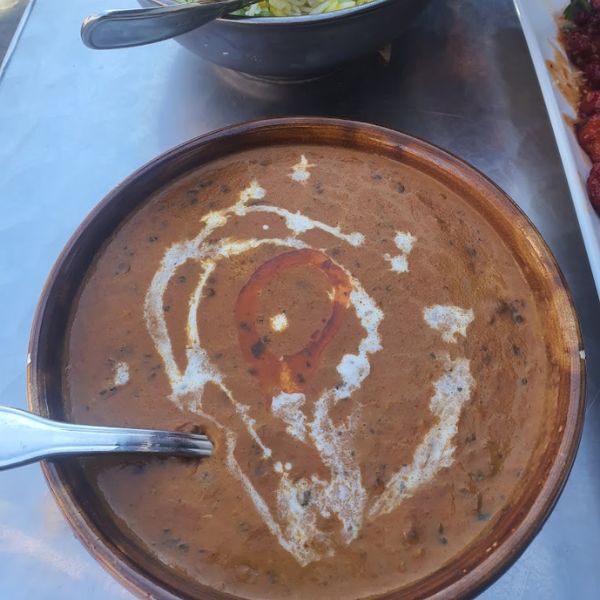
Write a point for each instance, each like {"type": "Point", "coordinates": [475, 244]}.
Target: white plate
{"type": "Point", "coordinates": [539, 26]}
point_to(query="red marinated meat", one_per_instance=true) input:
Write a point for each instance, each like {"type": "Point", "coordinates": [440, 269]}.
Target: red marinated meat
{"type": "Point", "coordinates": [580, 47]}
{"type": "Point", "coordinates": [591, 17]}
{"type": "Point", "coordinates": [588, 134]}
{"type": "Point", "coordinates": [592, 74]}
{"type": "Point", "coordinates": [590, 103]}
{"type": "Point", "coordinates": [587, 18]}
{"type": "Point", "coordinates": [582, 18]}
{"type": "Point", "coordinates": [581, 40]}
{"type": "Point", "coordinates": [593, 187]}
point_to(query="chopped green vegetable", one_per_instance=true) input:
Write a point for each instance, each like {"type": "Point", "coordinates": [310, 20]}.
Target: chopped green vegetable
{"type": "Point", "coordinates": [575, 6]}
{"type": "Point", "coordinates": [293, 8]}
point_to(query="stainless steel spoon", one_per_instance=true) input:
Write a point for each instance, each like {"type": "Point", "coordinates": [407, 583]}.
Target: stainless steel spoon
{"type": "Point", "coordinates": [139, 26]}
{"type": "Point", "coordinates": [26, 438]}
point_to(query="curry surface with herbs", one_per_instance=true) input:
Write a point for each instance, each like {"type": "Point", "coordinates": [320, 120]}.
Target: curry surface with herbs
{"type": "Point", "coordinates": [359, 343]}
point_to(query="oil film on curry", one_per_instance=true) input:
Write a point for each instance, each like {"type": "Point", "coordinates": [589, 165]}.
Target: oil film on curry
{"type": "Point", "coordinates": [359, 343]}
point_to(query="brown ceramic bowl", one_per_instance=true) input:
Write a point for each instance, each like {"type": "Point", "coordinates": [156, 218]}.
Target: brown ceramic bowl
{"type": "Point", "coordinates": [498, 546]}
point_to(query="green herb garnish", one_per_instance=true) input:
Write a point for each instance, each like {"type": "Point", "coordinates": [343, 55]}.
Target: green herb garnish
{"type": "Point", "coordinates": [575, 7]}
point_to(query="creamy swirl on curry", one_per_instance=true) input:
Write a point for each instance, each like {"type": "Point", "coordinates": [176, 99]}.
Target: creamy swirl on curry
{"type": "Point", "coordinates": [358, 342]}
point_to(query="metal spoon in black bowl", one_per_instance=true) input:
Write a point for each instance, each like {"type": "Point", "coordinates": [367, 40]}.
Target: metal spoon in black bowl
{"type": "Point", "coordinates": [139, 26]}
{"type": "Point", "coordinates": [26, 438]}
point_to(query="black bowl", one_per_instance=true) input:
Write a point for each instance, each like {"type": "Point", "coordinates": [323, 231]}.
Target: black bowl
{"type": "Point", "coordinates": [298, 47]}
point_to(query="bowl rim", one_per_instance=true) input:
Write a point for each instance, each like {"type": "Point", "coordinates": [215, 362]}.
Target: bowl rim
{"type": "Point", "coordinates": [293, 20]}
{"type": "Point", "coordinates": [498, 557]}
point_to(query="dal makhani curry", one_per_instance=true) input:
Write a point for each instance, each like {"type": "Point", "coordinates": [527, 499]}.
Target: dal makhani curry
{"type": "Point", "coordinates": [358, 342]}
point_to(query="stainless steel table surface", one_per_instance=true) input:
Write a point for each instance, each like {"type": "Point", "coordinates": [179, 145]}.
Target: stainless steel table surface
{"type": "Point", "coordinates": [73, 122]}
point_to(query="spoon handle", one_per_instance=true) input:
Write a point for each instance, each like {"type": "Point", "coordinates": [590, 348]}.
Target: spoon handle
{"type": "Point", "coordinates": [25, 438]}
{"type": "Point", "coordinates": [139, 26]}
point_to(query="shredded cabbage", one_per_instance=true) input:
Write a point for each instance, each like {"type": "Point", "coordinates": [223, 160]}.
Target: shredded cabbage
{"type": "Point", "coordinates": [292, 8]}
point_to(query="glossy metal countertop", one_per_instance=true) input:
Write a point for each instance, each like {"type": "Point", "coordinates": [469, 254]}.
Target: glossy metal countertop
{"type": "Point", "coordinates": [74, 122]}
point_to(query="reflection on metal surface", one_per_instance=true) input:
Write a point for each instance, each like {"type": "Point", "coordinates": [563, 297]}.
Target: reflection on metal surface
{"type": "Point", "coordinates": [16, 542]}
{"type": "Point", "coordinates": [63, 566]}
{"type": "Point", "coordinates": [50, 545]}
{"type": "Point", "coordinates": [7, 4]}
